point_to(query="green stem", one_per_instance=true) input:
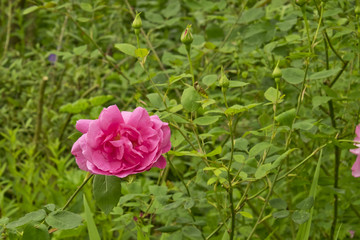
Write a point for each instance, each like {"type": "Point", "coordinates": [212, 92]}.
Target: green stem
{"type": "Point", "coordinates": [307, 28]}
{"type": "Point", "coordinates": [87, 178]}
{"type": "Point", "coordinates": [302, 162]}
{"type": "Point", "coordinates": [231, 197]}
{"type": "Point", "coordinates": [188, 47]}
{"type": "Point", "coordinates": [215, 231]}
{"type": "Point", "coordinates": [137, 39]}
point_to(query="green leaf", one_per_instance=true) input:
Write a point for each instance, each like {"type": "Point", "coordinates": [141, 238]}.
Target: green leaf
{"type": "Point", "coordinates": [80, 50]}
{"type": "Point", "coordinates": [189, 203]}
{"type": "Point", "coordinates": [172, 8]}
{"type": "Point", "coordinates": [273, 95]}
{"type": "Point", "coordinates": [262, 170]}
{"type": "Point", "coordinates": [207, 120]}
{"type": "Point", "coordinates": [158, 191]}
{"type": "Point", "coordinates": [126, 48]}
{"type": "Point", "coordinates": [319, 100]}
{"type": "Point", "coordinates": [209, 80]}
{"type": "Point", "coordinates": [35, 216]}
{"type": "Point", "coordinates": [100, 100]}
{"type": "Point", "coordinates": [258, 148]}
{"type": "Point", "coordinates": [107, 192]}
{"type": "Point", "coordinates": [30, 9]}
{"type": "Point", "coordinates": [191, 232]}
{"type": "Point", "coordinates": [324, 74]}
{"type": "Point", "coordinates": [286, 118]}
{"type": "Point", "coordinates": [189, 99]}
{"type": "Point", "coordinates": [141, 52]}
{"type": "Point", "coordinates": [304, 125]}
{"type": "Point", "coordinates": [176, 108]}
{"type": "Point", "coordinates": [293, 75]}
{"type": "Point", "coordinates": [63, 220]}
{"type": "Point", "coordinates": [168, 229]}
{"type": "Point", "coordinates": [234, 84]}
{"type": "Point", "coordinates": [281, 214]}
{"type": "Point", "coordinates": [93, 232]}
{"type": "Point", "coordinates": [156, 100]}
{"type": "Point", "coordinates": [76, 107]}
{"type": "Point", "coordinates": [304, 230]}
{"type": "Point", "coordinates": [251, 15]}
{"type": "Point", "coordinates": [278, 203]}
{"type": "Point", "coordinates": [212, 180]}
{"type": "Point", "coordinates": [171, 206]}
{"type": "Point", "coordinates": [300, 216]}
{"type": "Point", "coordinates": [174, 79]}
{"type": "Point", "coordinates": [246, 214]}
{"type": "Point", "coordinates": [50, 207]}
{"type": "Point", "coordinates": [235, 109]}
{"type": "Point", "coordinates": [306, 204]}
{"type": "Point", "coordinates": [83, 19]}
{"type": "Point", "coordinates": [86, 7]}
{"type": "Point", "coordinates": [32, 232]}
{"type": "Point", "coordinates": [225, 236]}
{"type": "Point", "coordinates": [214, 152]}
{"type": "Point", "coordinates": [278, 161]}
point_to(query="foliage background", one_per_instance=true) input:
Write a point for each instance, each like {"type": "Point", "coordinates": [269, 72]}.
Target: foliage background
{"type": "Point", "coordinates": [41, 101]}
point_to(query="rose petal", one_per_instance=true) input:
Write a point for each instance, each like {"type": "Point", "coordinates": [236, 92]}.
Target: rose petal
{"type": "Point", "coordinates": [94, 136]}
{"type": "Point", "coordinates": [166, 144]}
{"type": "Point", "coordinates": [103, 161]}
{"type": "Point", "coordinates": [126, 116]}
{"type": "Point", "coordinates": [110, 119]}
{"type": "Point", "coordinates": [147, 161]}
{"type": "Point", "coordinates": [356, 167]}
{"type": "Point", "coordinates": [160, 163]}
{"type": "Point", "coordinates": [357, 130]}
{"type": "Point", "coordinates": [82, 125]}
{"type": "Point", "coordinates": [139, 119]}
{"type": "Point", "coordinates": [77, 151]}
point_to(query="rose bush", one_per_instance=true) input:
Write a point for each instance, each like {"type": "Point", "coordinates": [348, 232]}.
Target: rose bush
{"type": "Point", "coordinates": [356, 167]}
{"type": "Point", "coordinates": [121, 143]}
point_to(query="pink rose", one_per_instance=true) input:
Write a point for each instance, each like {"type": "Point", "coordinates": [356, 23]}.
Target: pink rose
{"type": "Point", "coordinates": [121, 143]}
{"type": "Point", "coordinates": [356, 167]}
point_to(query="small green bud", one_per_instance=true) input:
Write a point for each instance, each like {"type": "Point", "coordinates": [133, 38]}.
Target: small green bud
{"type": "Point", "coordinates": [224, 81]}
{"type": "Point", "coordinates": [245, 74]}
{"type": "Point", "coordinates": [357, 10]}
{"type": "Point", "coordinates": [277, 72]}
{"type": "Point", "coordinates": [300, 3]}
{"type": "Point", "coordinates": [186, 37]}
{"type": "Point", "coordinates": [137, 23]}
